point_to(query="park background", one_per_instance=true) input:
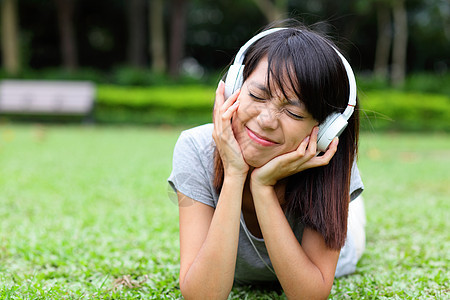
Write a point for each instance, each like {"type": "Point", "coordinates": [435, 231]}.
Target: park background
{"type": "Point", "coordinates": [84, 207]}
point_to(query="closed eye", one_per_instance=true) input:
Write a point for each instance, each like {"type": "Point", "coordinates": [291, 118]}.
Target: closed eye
{"type": "Point", "coordinates": [295, 116]}
{"type": "Point", "coordinates": [256, 97]}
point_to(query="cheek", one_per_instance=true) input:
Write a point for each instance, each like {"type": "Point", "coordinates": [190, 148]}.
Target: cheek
{"type": "Point", "coordinates": [247, 108]}
{"type": "Point", "coordinates": [237, 125]}
{"type": "Point", "coordinates": [292, 145]}
{"type": "Point", "coordinates": [298, 135]}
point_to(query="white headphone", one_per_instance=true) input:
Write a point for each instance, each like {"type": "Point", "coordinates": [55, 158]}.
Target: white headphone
{"type": "Point", "coordinates": [333, 125]}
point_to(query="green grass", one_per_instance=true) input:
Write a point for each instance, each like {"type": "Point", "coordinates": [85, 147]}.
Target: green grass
{"type": "Point", "coordinates": [407, 184]}
{"type": "Point", "coordinates": [85, 214]}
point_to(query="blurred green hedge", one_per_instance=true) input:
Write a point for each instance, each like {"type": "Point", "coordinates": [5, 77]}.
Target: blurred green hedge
{"type": "Point", "coordinates": [174, 105]}
{"type": "Point", "coordinates": [406, 111]}
{"type": "Point", "coordinates": [192, 104]}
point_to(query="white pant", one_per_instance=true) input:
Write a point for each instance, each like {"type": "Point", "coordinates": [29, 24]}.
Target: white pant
{"type": "Point", "coordinates": [356, 239]}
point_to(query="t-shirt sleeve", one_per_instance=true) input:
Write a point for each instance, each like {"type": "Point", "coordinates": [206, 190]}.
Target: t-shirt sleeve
{"type": "Point", "coordinates": [356, 184]}
{"type": "Point", "coordinates": [189, 174]}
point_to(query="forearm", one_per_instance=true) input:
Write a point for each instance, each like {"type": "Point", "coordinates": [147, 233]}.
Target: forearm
{"type": "Point", "coordinates": [298, 275]}
{"type": "Point", "coordinates": [211, 274]}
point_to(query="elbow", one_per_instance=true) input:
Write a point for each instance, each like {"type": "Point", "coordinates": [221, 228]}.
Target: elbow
{"type": "Point", "coordinates": [203, 291]}
{"type": "Point", "coordinates": [309, 296]}
{"type": "Point", "coordinates": [315, 295]}
{"type": "Point", "coordinates": [318, 291]}
{"type": "Point", "coordinates": [188, 292]}
{"type": "Point", "coordinates": [202, 295]}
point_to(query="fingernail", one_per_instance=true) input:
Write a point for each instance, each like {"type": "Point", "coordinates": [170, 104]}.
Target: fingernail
{"type": "Point", "coordinates": [307, 139]}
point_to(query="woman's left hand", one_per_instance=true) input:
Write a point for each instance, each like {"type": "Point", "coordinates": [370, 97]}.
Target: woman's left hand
{"type": "Point", "coordinates": [304, 157]}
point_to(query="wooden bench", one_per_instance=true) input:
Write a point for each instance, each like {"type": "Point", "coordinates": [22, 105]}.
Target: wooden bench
{"type": "Point", "coordinates": [40, 97]}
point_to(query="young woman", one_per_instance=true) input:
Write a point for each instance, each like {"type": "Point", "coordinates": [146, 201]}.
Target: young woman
{"type": "Point", "coordinates": [260, 200]}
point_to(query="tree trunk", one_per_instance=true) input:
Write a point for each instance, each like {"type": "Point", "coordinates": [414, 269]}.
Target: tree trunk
{"type": "Point", "coordinates": [273, 11]}
{"type": "Point", "coordinates": [10, 38]}
{"type": "Point", "coordinates": [177, 36]}
{"type": "Point", "coordinates": [65, 10]}
{"type": "Point", "coordinates": [400, 43]}
{"type": "Point", "coordinates": [136, 33]}
{"type": "Point", "coordinates": [381, 66]}
{"type": "Point", "coordinates": [157, 41]}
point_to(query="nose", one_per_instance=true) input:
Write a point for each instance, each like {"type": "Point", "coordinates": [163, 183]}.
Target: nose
{"type": "Point", "coordinates": [268, 117]}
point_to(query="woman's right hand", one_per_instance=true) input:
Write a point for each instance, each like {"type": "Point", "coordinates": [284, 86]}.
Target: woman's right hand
{"type": "Point", "coordinates": [229, 150]}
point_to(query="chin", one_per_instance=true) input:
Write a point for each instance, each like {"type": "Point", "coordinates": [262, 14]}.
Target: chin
{"type": "Point", "coordinates": [255, 163]}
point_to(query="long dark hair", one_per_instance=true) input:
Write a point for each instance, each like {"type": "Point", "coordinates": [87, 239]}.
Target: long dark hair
{"type": "Point", "coordinates": [317, 197]}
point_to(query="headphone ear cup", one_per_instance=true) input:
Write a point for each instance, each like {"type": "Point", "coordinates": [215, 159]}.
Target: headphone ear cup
{"type": "Point", "coordinates": [332, 127]}
{"type": "Point", "coordinates": [234, 79]}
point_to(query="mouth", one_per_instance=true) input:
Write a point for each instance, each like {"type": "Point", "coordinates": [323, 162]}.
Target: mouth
{"type": "Point", "coordinates": [260, 139]}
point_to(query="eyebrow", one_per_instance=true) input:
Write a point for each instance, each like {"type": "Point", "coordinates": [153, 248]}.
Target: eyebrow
{"type": "Point", "coordinates": [259, 86]}
{"type": "Point", "coordinates": [264, 89]}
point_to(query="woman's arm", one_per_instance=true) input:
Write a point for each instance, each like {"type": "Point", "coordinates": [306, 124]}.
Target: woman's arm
{"type": "Point", "coordinates": [209, 238]}
{"type": "Point", "coordinates": [208, 243]}
{"type": "Point", "coordinates": [305, 271]}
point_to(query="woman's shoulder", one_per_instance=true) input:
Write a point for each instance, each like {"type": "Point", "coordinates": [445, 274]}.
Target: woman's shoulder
{"type": "Point", "coordinates": [193, 164]}
{"type": "Point", "coordinates": [200, 137]}
{"type": "Point", "coordinates": [356, 183]}
{"type": "Point", "coordinates": [200, 132]}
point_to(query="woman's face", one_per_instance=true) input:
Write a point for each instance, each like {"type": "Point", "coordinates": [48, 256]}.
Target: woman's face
{"type": "Point", "coordinates": [266, 127]}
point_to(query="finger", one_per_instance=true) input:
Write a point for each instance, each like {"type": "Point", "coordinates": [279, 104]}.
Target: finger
{"type": "Point", "coordinates": [226, 105]}
{"type": "Point", "coordinates": [231, 100]}
{"type": "Point", "coordinates": [229, 107]}
{"type": "Point", "coordinates": [223, 122]}
{"type": "Point", "coordinates": [227, 130]}
{"type": "Point", "coordinates": [220, 91]}
{"type": "Point", "coordinates": [319, 161]}
{"type": "Point", "coordinates": [328, 155]}
{"type": "Point", "coordinates": [220, 98]}
{"type": "Point", "coordinates": [312, 146]}
{"type": "Point", "coordinates": [302, 147]}
{"type": "Point", "coordinates": [297, 155]}
{"type": "Point", "coordinates": [230, 111]}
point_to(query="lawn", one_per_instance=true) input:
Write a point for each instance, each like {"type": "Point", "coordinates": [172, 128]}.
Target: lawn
{"type": "Point", "coordinates": [85, 213]}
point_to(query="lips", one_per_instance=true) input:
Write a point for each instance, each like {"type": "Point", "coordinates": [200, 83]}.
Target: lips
{"type": "Point", "coordinates": [260, 139]}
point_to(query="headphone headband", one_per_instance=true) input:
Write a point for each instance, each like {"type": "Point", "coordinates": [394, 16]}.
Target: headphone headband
{"type": "Point", "coordinates": [239, 59]}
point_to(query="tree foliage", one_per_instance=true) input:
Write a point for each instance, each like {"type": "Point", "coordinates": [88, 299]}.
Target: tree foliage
{"type": "Point", "coordinates": [107, 34]}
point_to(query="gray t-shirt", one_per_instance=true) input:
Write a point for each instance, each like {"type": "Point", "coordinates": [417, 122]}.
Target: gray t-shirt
{"type": "Point", "coordinates": [193, 175]}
